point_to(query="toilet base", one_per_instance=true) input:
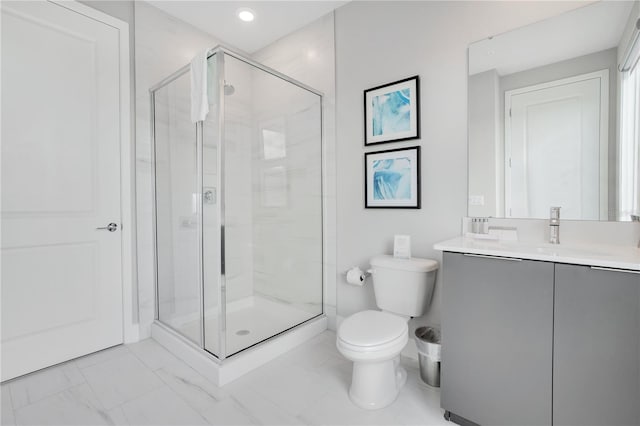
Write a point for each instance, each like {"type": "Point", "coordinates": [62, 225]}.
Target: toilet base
{"type": "Point", "coordinates": [375, 385]}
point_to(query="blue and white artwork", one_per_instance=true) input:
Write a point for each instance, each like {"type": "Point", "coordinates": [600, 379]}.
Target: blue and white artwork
{"type": "Point", "coordinates": [391, 112]}
{"type": "Point", "coordinates": [393, 178]}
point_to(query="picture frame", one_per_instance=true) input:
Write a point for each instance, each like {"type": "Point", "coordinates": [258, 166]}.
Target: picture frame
{"type": "Point", "coordinates": [392, 179]}
{"type": "Point", "coordinates": [392, 112]}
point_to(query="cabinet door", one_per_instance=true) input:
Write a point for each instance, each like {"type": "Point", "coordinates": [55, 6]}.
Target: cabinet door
{"type": "Point", "coordinates": [497, 333]}
{"type": "Point", "coordinates": [596, 377]}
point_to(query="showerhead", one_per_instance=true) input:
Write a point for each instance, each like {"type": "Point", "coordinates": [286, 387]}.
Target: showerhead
{"type": "Point", "coordinates": [229, 89]}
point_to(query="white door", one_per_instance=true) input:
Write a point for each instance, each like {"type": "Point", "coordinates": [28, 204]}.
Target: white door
{"type": "Point", "coordinates": [61, 276]}
{"type": "Point", "coordinates": [556, 148]}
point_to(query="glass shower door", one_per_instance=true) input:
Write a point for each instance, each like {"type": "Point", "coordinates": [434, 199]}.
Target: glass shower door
{"type": "Point", "coordinates": [271, 206]}
{"type": "Point", "coordinates": [177, 210]}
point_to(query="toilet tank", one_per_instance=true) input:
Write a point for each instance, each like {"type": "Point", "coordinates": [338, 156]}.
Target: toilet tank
{"type": "Point", "coordinates": [403, 286]}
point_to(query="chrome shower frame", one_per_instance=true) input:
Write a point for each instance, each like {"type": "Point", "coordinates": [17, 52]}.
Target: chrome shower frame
{"type": "Point", "coordinates": [221, 52]}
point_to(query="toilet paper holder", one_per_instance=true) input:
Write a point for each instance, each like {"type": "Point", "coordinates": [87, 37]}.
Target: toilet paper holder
{"type": "Point", "coordinates": [357, 276]}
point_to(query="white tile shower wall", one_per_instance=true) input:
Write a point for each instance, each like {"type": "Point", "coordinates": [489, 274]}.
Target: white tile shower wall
{"type": "Point", "coordinates": [177, 227]}
{"type": "Point", "coordinates": [429, 39]}
{"type": "Point", "coordinates": [308, 55]}
{"type": "Point", "coordinates": [287, 194]}
{"type": "Point", "coordinates": [163, 45]}
{"type": "Point", "coordinates": [210, 210]}
{"type": "Point", "coordinates": [238, 170]}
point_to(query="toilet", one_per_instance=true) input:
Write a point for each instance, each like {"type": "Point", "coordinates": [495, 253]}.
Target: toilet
{"type": "Point", "coordinates": [373, 340]}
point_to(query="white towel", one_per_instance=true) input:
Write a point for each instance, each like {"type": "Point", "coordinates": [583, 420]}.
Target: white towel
{"type": "Point", "coordinates": [199, 96]}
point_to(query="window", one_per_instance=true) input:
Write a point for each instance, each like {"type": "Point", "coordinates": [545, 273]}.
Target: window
{"type": "Point", "coordinates": [629, 148]}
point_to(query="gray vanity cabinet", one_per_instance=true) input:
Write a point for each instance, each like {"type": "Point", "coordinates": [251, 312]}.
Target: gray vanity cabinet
{"type": "Point", "coordinates": [539, 343]}
{"type": "Point", "coordinates": [596, 351]}
{"type": "Point", "coordinates": [497, 335]}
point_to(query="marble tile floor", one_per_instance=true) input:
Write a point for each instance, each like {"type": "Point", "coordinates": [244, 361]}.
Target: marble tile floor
{"type": "Point", "coordinates": [143, 384]}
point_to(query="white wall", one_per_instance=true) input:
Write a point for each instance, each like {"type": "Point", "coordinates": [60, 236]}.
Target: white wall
{"type": "Point", "coordinates": [484, 150]}
{"type": "Point", "coordinates": [380, 42]}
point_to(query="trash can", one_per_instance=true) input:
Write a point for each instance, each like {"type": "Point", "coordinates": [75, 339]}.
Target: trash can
{"type": "Point", "coordinates": [428, 343]}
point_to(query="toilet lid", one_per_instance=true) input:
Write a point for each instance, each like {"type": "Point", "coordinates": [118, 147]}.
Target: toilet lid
{"type": "Point", "coordinates": [371, 328]}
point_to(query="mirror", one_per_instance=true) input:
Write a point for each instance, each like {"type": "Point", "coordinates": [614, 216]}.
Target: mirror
{"type": "Point", "coordinates": [552, 118]}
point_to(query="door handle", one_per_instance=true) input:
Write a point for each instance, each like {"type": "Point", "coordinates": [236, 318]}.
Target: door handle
{"type": "Point", "coordinates": [112, 227]}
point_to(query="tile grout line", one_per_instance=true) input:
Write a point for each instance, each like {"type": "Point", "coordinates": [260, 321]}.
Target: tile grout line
{"type": "Point", "coordinates": [33, 374]}
{"type": "Point", "coordinates": [13, 409]}
{"type": "Point", "coordinates": [95, 394]}
{"type": "Point", "coordinates": [123, 346]}
{"type": "Point", "coordinates": [119, 406]}
{"type": "Point", "coordinates": [245, 410]}
{"type": "Point", "coordinates": [165, 384]}
{"type": "Point", "coordinates": [180, 398]}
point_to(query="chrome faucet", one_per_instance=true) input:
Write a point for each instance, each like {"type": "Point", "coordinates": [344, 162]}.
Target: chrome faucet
{"type": "Point", "coordinates": [636, 218]}
{"type": "Point", "coordinates": [554, 226]}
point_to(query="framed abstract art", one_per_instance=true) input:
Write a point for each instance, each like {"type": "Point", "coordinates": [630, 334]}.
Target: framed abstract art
{"type": "Point", "coordinates": [392, 178]}
{"type": "Point", "coordinates": [392, 112]}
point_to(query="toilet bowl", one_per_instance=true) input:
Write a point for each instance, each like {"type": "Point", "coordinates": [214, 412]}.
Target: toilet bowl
{"type": "Point", "coordinates": [373, 340]}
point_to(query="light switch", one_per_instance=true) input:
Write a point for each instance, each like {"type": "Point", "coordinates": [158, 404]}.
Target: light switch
{"type": "Point", "coordinates": [476, 200]}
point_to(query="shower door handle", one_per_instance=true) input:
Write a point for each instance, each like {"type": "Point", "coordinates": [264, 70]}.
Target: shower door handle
{"type": "Point", "coordinates": [112, 227]}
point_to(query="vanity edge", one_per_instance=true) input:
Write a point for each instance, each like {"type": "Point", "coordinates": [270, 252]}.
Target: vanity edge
{"type": "Point", "coordinates": [618, 257]}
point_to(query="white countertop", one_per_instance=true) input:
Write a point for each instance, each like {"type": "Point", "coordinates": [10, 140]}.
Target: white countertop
{"type": "Point", "coordinates": [619, 257]}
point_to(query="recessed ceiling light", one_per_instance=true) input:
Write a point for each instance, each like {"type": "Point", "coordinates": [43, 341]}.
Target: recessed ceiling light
{"type": "Point", "coordinates": [245, 14]}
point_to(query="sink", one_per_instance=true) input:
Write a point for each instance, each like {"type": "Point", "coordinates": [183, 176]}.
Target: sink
{"type": "Point", "coordinates": [560, 249]}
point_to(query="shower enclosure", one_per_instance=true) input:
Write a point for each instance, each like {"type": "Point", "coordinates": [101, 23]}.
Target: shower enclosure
{"type": "Point", "coordinates": [238, 205]}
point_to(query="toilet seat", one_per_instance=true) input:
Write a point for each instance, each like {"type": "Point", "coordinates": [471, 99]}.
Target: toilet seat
{"type": "Point", "coordinates": [372, 336]}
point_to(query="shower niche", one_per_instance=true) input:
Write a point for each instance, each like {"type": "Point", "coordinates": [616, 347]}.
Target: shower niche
{"type": "Point", "coordinates": [238, 207]}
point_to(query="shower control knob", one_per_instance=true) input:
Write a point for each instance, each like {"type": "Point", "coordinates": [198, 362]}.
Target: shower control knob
{"type": "Point", "coordinates": [112, 227]}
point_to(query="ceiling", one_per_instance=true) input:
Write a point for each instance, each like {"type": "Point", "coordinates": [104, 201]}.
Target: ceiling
{"type": "Point", "coordinates": [582, 31]}
{"type": "Point", "coordinates": [274, 19]}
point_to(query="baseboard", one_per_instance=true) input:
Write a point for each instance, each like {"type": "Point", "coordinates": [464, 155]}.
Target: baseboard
{"type": "Point", "coordinates": [144, 331]}
{"type": "Point", "coordinates": [330, 312]}
{"type": "Point", "coordinates": [339, 319]}
{"type": "Point", "coordinates": [132, 333]}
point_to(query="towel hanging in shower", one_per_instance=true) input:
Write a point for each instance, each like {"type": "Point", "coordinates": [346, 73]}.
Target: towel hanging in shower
{"type": "Point", "coordinates": [199, 96]}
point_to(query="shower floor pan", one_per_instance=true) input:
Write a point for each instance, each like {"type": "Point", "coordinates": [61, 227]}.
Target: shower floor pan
{"type": "Point", "coordinates": [249, 322]}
